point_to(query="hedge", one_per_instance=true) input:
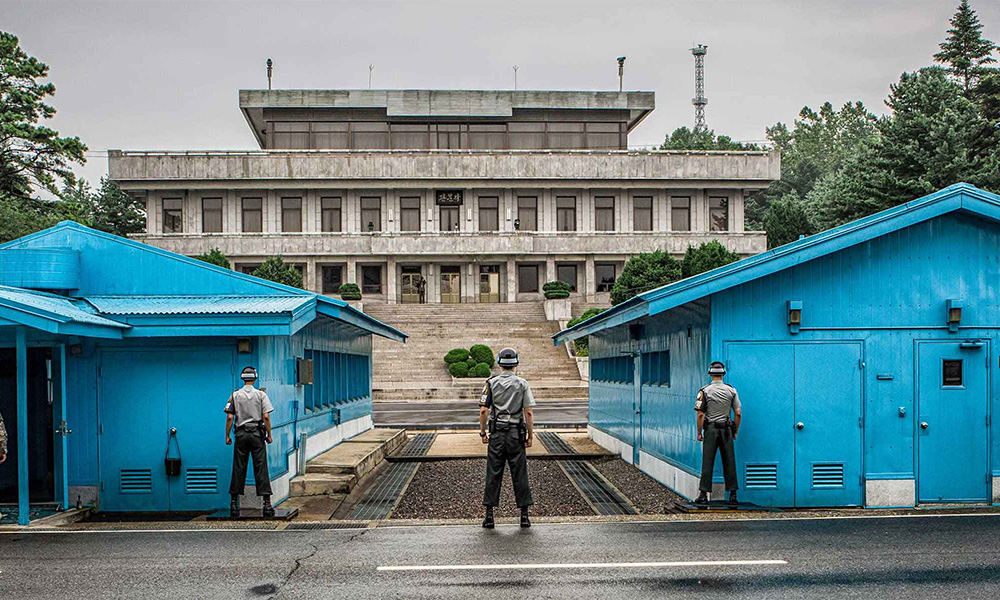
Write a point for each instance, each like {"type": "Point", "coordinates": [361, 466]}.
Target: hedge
{"type": "Point", "coordinates": [349, 291]}
{"type": "Point", "coordinates": [456, 355]}
{"type": "Point", "coordinates": [482, 354]}
{"type": "Point", "coordinates": [471, 362]}
{"type": "Point", "coordinates": [555, 290]}
{"type": "Point", "coordinates": [480, 370]}
{"type": "Point", "coordinates": [459, 369]}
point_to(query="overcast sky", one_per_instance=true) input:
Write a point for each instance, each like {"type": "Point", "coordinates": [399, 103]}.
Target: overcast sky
{"type": "Point", "coordinates": [164, 75]}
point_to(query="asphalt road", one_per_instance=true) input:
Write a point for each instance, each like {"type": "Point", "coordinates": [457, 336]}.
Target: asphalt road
{"type": "Point", "coordinates": [562, 413]}
{"type": "Point", "coordinates": [874, 558]}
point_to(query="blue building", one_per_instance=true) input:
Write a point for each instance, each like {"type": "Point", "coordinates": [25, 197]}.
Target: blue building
{"type": "Point", "coordinates": [108, 345]}
{"type": "Point", "coordinates": [863, 355]}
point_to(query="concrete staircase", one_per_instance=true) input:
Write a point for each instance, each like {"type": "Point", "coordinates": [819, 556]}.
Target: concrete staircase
{"type": "Point", "coordinates": [338, 470]}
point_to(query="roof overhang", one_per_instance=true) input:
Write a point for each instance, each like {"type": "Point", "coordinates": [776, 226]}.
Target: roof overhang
{"type": "Point", "coordinates": [344, 312]}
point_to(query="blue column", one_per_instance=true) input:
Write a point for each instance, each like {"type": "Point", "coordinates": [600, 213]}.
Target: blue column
{"type": "Point", "coordinates": [21, 349]}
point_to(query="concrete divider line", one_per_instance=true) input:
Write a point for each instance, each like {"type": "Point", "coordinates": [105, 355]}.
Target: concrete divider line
{"type": "Point", "coordinates": [632, 565]}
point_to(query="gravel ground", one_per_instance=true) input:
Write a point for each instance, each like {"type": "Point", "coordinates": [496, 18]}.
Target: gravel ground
{"type": "Point", "coordinates": [453, 489]}
{"type": "Point", "coordinates": [646, 494]}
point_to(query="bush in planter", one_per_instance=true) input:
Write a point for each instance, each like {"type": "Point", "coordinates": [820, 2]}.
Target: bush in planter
{"type": "Point", "coordinates": [482, 354]}
{"type": "Point", "coordinates": [471, 362]}
{"type": "Point", "coordinates": [480, 370]}
{"type": "Point", "coordinates": [459, 369]}
{"type": "Point", "coordinates": [456, 355]}
{"type": "Point", "coordinates": [556, 290]}
{"type": "Point", "coordinates": [581, 346]}
{"type": "Point", "coordinates": [349, 291]}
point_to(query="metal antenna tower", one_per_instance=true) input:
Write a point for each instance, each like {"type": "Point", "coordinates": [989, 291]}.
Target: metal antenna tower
{"type": "Point", "coordinates": [699, 99]}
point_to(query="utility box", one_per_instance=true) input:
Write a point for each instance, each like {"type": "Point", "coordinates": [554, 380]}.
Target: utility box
{"type": "Point", "coordinates": [304, 371]}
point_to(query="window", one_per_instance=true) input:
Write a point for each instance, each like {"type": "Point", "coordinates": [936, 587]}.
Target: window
{"type": "Point", "coordinates": [330, 135]}
{"type": "Point", "coordinates": [615, 369]}
{"type": "Point", "coordinates": [489, 214]}
{"type": "Point", "coordinates": [371, 279]}
{"type": "Point", "coordinates": [604, 136]}
{"type": "Point", "coordinates": [488, 137]}
{"type": "Point", "coordinates": [718, 213]}
{"type": "Point", "coordinates": [211, 215]}
{"type": "Point", "coordinates": [567, 273]}
{"type": "Point", "coordinates": [451, 137]}
{"type": "Point", "coordinates": [333, 278]}
{"type": "Point", "coordinates": [331, 208]}
{"type": "Point", "coordinates": [680, 214]}
{"type": "Point", "coordinates": [248, 269]}
{"type": "Point", "coordinates": [173, 215]}
{"type": "Point", "coordinates": [527, 278]}
{"type": "Point", "coordinates": [642, 214]}
{"type": "Point", "coordinates": [526, 136]}
{"type": "Point", "coordinates": [604, 214]}
{"type": "Point", "coordinates": [409, 214]}
{"type": "Point", "coordinates": [951, 373]}
{"type": "Point", "coordinates": [291, 215]}
{"type": "Point", "coordinates": [450, 218]}
{"type": "Point", "coordinates": [337, 378]}
{"type": "Point", "coordinates": [566, 136]}
{"type": "Point", "coordinates": [369, 136]}
{"type": "Point", "coordinates": [565, 213]}
{"type": "Point", "coordinates": [289, 136]}
{"type": "Point", "coordinates": [605, 275]}
{"type": "Point", "coordinates": [253, 219]}
{"type": "Point", "coordinates": [409, 136]}
{"type": "Point", "coordinates": [656, 368]}
{"type": "Point", "coordinates": [527, 213]}
{"type": "Point", "coordinates": [371, 214]}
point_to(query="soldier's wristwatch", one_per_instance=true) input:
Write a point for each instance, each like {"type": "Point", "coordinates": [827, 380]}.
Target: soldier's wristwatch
{"type": "Point", "coordinates": [482, 434]}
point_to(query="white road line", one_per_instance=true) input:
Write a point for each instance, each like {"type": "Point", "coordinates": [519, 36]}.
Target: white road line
{"type": "Point", "coordinates": [638, 565]}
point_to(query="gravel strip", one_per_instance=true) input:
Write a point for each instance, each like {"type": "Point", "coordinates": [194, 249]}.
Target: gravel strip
{"type": "Point", "coordinates": [453, 489]}
{"type": "Point", "coordinates": [646, 494]}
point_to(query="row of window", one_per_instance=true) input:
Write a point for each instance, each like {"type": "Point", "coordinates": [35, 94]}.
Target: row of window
{"type": "Point", "coordinates": [370, 219]}
{"type": "Point", "coordinates": [300, 135]}
{"type": "Point", "coordinates": [654, 367]}
{"type": "Point", "coordinates": [337, 377]}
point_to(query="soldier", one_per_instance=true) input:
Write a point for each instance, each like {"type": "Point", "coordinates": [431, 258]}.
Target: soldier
{"type": "Point", "coordinates": [3, 441]}
{"type": "Point", "coordinates": [717, 431]}
{"type": "Point", "coordinates": [250, 409]}
{"type": "Point", "coordinates": [505, 408]}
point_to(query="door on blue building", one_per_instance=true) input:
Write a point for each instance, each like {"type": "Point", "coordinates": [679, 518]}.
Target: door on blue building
{"type": "Point", "coordinates": [952, 426]}
{"type": "Point", "coordinates": [143, 396]}
{"type": "Point", "coordinates": [801, 439]}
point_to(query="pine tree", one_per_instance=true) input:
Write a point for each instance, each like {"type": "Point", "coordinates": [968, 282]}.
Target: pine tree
{"type": "Point", "coordinates": [966, 52]}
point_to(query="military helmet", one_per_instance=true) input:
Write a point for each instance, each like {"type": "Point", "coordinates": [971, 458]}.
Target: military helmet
{"type": "Point", "coordinates": [508, 358]}
{"type": "Point", "coordinates": [717, 368]}
{"type": "Point", "coordinates": [249, 374]}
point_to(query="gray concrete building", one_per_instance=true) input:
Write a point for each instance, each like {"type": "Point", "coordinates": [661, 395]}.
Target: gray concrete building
{"type": "Point", "coordinates": [445, 196]}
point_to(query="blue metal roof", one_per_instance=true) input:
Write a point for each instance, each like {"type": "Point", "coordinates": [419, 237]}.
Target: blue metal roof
{"type": "Point", "coordinates": [196, 305]}
{"type": "Point", "coordinates": [961, 196]}
{"type": "Point", "coordinates": [56, 314]}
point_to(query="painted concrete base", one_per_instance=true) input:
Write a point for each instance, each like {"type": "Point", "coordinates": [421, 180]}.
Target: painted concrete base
{"type": "Point", "coordinates": [678, 480]}
{"type": "Point", "coordinates": [316, 444]}
{"type": "Point", "coordinates": [610, 443]}
{"type": "Point", "coordinates": [86, 494]}
{"type": "Point", "coordinates": [996, 490]}
{"type": "Point", "coordinates": [886, 493]}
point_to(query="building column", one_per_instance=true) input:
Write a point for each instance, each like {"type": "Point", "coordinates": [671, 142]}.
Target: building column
{"type": "Point", "coordinates": [471, 285]}
{"type": "Point", "coordinates": [511, 280]}
{"type": "Point", "coordinates": [433, 283]}
{"type": "Point", "coordinates": [310, 277]}
{"type": "Point", "coordinates": [590, 286]}
{"type": "Point", "coordinates": [390, 280]}
{"type": "Point", "coordinates": [550, 269]}
{"type": "Point", "coordinates": [351, 276]}
{"type": "Point", "coordinates": [21, 350]}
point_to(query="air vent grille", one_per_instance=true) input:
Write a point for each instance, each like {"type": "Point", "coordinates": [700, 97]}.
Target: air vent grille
{"type": "Point", "coordinates": [828, 475]}
{"type": "Point", "coordinates": [135, 481]}
{"type": "Point", "coordinates": [201, 481]}
{"type": "Point", "coordinates": [761, 476]}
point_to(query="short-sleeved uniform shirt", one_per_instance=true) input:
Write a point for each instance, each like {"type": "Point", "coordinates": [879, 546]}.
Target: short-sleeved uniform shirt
{"type": "Point", "coordinates": [717, 400]}
{"type": "Point", "coordinates": [248, 405]}
{"type": "Point", "coordinates": [507, 395]}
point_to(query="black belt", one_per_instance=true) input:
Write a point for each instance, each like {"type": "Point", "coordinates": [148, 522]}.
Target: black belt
{"type": "Point", "coordinates": [250, 426]}
{"type": "Point", "coordinates": [725, 424]}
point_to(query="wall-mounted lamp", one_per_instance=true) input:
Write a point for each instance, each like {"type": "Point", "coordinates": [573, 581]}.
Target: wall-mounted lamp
{"type": "Point", "coordinates": [517, 224]}
{"type": "Point", "coordinates": [243, 345]}
{"type": "Point", "coordinates": [794, 315]}
{"type": "Point", "coordinates": [954, 314]}
{"type": "Point", "coordinates": [371, 226]}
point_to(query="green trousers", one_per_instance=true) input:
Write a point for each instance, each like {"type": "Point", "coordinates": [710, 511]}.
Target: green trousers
{"type": "Point", "coordinates": [720, 440]}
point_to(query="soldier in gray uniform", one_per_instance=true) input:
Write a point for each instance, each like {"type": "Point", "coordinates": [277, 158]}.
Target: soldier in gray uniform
{"type": "Point", "coordinates": [505, 410]}
{"type": "Point", "coordinates": [250, 409]}
{"type": "Point", "coordinates": [717, 431]}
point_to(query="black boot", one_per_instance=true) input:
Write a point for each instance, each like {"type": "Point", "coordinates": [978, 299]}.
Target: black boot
{"type": "Point", "coordinates": [733, 502]}
{"type": "Point", "coordinates": [268, 510]}
{"type": "Point", "coordinates": [234, 505]}
{"type": "Point", "coordinates": [702, 498]}
{"type": "Point", "coordinates": [488, 521]}
{"type": "Point", "coordinates": [525, 521]}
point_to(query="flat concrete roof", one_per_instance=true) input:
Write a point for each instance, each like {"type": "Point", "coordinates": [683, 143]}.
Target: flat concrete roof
{"type": "Point", "coordinates": [445, 103]}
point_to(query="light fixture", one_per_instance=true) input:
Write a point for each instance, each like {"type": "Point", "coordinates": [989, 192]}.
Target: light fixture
{"type": "Point", "coordinates": [954, 314]}
{"type": "Point", "coordinates": [371, 226]}
{"type": "Point", "coordinates": [243, 345]}
{"type": "Point", "coordinates": [517, 224]}
{"type": "Point", "coordinates": [794, 315]}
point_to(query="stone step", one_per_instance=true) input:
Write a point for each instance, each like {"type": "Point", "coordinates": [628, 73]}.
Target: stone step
{"type": "Point", "coordinates": [338, 470]}
{"type": "Point", "coordinates": [321, 484]}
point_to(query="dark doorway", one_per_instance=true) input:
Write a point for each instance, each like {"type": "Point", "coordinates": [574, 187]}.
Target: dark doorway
{"type": "Point", "coordinates": [41, 463]}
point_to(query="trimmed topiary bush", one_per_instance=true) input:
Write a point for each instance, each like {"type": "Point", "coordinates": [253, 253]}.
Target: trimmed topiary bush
{"type": "Point", "coordinates": [459, 369]}
{"type": "Point", "coordinates": [456, 355]}
{"type": "Point", "coordinates": [471, 362]}
{"type": "Point", "coordinates": [482, 354]}
{"type": "Point", "coordinates": [349, 291]}
{"type": "Point", "coordinates": [556, 290]}
{"type": "Point", "coordinates": [480, 370]}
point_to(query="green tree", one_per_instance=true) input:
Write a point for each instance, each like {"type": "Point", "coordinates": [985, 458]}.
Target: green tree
{"type": "Point", "coordinates": [277, 270]}
{"type": "Point", "coordinates": [215, 257]}
{"type": "Point", "coordinates": [581, 346]}
{"type": "Point", "coordinates": [785, 220]}
{"type": "Point", "coordinates": [683, 138]}
{"type": "Point", "coordinates": [965, 52]}
{"type": "Point", "coordinates": [22, 216]}
{"type": "Point", "coordinates": [31, 154]}
{"type": "Point", "coordinates": [114, 211]}
{"type": "Point", "coordinates": [705, 257]}
{"type": "Point", "coordinates": [644, 272]}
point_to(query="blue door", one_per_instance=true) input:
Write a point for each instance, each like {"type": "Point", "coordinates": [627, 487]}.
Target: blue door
{"type": "Point", "coordinates": [637, 412]}
{"type": "Point", "coordinates": [828, 426]}
{"type": "Point", "coordinates": [952, 427]}
{"type": "Point", "coordinates": [145, 395]}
